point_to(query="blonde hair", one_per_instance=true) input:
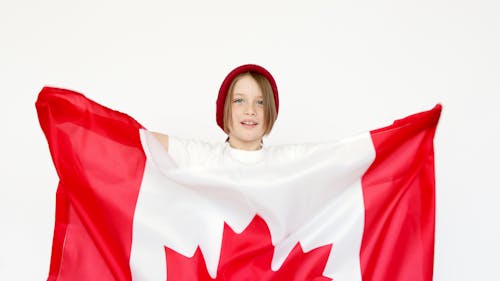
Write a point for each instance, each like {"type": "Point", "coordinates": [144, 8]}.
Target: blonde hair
{"type": "Point", "coordinates": [267, 96]}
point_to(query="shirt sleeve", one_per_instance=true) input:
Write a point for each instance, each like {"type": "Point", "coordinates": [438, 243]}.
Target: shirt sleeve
{"type": "Point", "coordinates": [287, 153]}
{"type": "Point", "coordinates": [190, 153]}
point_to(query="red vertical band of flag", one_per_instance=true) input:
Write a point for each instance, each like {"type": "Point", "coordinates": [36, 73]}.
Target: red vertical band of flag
{"type": "Point", "coordinates": [399, 196]}
{"type": "Point", "coordinates": [100, 162]}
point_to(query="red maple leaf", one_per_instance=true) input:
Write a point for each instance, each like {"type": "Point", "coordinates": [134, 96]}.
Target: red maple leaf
{"type": "Point", "coordinates": [247, 256]}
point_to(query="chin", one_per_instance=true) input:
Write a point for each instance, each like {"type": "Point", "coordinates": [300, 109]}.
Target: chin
{"type": "Point", "coordinates": [249, 139]}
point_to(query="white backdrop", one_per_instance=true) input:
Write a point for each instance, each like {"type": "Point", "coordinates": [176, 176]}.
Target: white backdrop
{"type": "Point", "coordinates": [342, 67]}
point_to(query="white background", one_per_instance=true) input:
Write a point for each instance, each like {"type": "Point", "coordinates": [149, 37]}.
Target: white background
{"type": "Point", "coordinates": [342, 67]}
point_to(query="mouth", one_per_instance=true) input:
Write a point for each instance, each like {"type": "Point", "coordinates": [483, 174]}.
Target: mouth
{"type": "Point", "coordinates": [249, 124]}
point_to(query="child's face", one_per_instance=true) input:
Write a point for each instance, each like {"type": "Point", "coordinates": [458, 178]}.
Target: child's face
{"type": "Point", "coordinates": [247, 118]}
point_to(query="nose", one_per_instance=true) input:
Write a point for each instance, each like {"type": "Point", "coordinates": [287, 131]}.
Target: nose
{"type": "Point", "coordinates": [250, 109]}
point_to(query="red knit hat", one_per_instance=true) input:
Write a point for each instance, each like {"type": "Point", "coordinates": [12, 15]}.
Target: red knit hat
{"type": "Point", "coordinates": [224, 88]}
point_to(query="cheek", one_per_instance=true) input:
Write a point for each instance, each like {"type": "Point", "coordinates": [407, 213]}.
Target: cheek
{"type": "Point", "coordinates": [261, 114]}
{"type": "Point", "coordinates": [261, 111]}
{"type": "Point", "coordinates": [234, 117]}
{"type": "Point", "coordinates": [233, 114]}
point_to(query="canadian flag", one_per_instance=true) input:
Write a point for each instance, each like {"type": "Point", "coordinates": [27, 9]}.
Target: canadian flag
{"type": "Point", "coordinates": [357, 209]}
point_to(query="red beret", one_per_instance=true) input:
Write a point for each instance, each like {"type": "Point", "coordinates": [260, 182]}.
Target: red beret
{"type": "Point", "coordinates": [224, 88]}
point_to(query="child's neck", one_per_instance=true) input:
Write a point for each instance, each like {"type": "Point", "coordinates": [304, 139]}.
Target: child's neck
{"type": "Point", "coordinates": [245, 145]}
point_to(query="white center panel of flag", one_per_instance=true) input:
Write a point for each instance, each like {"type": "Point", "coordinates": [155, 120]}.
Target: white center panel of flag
{"type": "Point", "coordinates": [314, 202]}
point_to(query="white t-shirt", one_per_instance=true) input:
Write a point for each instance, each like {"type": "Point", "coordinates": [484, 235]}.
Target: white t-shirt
{"type": "Point", "coordinates": [195, 153]}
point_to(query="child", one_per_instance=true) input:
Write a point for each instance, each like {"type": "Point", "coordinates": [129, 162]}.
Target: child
{"type": "Point", "coordinates": [247, 107]}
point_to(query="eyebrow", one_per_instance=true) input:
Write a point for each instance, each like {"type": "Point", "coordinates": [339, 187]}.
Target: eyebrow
{"type": "Point", "coordinates": [243, 95]}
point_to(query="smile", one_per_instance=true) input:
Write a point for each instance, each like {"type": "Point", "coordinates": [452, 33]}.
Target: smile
{"type": "Point", "coordinates": [249, 124]}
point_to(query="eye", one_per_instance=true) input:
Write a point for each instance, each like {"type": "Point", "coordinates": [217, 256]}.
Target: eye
{"type": "Point", "coordinates": [260, 102]}
{"type": "Point", "coordinates": [238, 100]}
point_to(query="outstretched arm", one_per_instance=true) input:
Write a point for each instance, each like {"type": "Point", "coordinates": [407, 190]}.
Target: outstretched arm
{"type": "Point", "coordinates": [162, 138]}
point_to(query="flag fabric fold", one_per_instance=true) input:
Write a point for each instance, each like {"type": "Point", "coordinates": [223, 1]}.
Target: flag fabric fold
{"type": "Point", "coordinates": [357, 209]}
